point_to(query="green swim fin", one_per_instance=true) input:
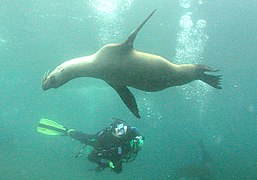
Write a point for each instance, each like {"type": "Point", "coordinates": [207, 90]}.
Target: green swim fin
{"type": "Point", "coordinates": [50, 127]}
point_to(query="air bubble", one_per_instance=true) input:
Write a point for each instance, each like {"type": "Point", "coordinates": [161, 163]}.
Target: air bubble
{"type": "Point", "coordinates": [201, 24]}
{"type": "Point", "coordinates": [185, 3]}
{"type": "Point", "coordinates": [186, 22]}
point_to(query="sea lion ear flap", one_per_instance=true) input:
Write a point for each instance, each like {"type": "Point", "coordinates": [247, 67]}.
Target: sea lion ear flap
{"type": "Point", "coordinates": [128, 98]}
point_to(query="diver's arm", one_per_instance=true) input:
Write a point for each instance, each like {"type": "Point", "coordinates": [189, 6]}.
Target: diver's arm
{"type": "Point", "coordinates": [84, 138]}
{"type": "Point", "coordinates": [88, 139]}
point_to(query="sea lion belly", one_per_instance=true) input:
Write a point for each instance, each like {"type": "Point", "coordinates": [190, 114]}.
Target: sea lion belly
{"type": "Point", "coordinates": [141, 70]}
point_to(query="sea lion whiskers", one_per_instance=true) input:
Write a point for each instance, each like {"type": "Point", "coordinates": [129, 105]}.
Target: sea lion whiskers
{"type": "Point", "coordinates": [45, 75]}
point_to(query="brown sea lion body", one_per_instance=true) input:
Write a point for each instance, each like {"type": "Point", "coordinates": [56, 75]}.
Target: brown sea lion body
{"type": "Point", "coordinates": [121, 66]}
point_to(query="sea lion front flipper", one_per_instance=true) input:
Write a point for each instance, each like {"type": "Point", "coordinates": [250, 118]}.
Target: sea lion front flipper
{"type": "Point", "coordinates": [128, 98]}
{"type": "Point", "coordinates": [129, 42]}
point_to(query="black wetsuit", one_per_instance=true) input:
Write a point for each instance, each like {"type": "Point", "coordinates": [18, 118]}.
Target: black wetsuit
{"type": "Point", "coordinates": [107, 147]}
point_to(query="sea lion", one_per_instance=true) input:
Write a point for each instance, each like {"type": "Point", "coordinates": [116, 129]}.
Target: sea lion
{"type": "Point", "coordinates": [121, 66]}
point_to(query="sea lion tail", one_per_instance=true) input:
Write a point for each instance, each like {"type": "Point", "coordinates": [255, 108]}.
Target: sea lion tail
{"type": "Point", "coordinates": [212, 80]}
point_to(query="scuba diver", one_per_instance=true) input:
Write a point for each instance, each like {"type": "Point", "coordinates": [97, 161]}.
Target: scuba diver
{"type": "Point", "coordinates": [119, 143]}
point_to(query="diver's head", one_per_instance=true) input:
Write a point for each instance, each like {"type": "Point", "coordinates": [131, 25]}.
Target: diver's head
{"type": "Point", "coordinates": [119, 128]}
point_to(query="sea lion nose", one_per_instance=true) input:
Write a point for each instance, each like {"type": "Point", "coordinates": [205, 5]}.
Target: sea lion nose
{"type": "Point", "coordinates": [45, 85]}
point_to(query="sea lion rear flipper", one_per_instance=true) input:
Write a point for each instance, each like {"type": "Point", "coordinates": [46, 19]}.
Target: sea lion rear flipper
{"type": "Point", "coordinates": [212, 80]}
{"type": "Point", "coordinates": [128, 98]}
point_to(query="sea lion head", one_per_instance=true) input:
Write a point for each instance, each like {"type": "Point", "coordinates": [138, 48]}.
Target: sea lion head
{"type": "Point", "coordinates": [55, 79]}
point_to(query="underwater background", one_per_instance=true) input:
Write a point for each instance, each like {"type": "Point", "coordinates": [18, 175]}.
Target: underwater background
{"type": "Point", "coordinates": [39, 35]}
